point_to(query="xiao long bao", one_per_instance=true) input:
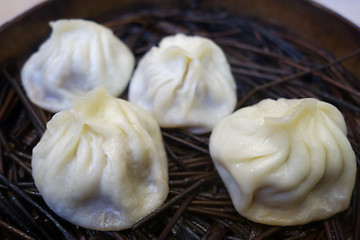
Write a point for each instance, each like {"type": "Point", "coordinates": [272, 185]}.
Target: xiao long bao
{"type": "Point", "coordinates": [78, 56]}
{"type": "Point", "coordinates": [184, 82]}
{"type": "Point", "coordinates": [285, 162]}
{"type": "Point", "coordinates": [101, 164]}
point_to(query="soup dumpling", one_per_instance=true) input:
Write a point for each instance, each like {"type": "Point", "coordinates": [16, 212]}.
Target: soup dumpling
{"type": "Point", "coordinates": [101, 164]}
{"type": "Point", "coordinates": [285, 161]}
{"type": "Point", "coordinates": [185, 82]}
{"type": "Point", "coordinates": [78, 56]}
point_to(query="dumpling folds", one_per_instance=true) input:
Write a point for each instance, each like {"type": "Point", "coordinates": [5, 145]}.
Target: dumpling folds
{"type": "Point", "coordinates": [185, 82]}
{"type": "Point", "coordinates": [78, 56]}
{"type": "Point", "coordinates": [285, 162]}
{"type": "Point", "coordinates": [101, 164]}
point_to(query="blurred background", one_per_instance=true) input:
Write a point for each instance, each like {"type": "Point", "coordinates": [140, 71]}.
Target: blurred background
{"type": "Point", "coordinates": [349, 9]}
{"type": "Point", "coordinates": [11, 8]}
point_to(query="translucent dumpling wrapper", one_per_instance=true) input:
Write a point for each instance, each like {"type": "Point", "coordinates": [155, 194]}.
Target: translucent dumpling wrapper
{"type": "Point", "coordinates": [285, 162]}
{"type": "Point", "coordinates": [101, 164]}
{"type": "Point", "coordinates": [186, 82]}
{"type": "Point", "coordinates": [78, 56]}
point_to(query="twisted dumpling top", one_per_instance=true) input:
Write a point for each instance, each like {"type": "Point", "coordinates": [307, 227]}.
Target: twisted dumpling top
{"type": "Point", "coordinates": [285, 162]}
{"type": "Point", "coordinates": [78, 56]}
{"type": "Point", "coordinates": [101, 164]}
{"type": "Point", "coordinates": [185, 82]}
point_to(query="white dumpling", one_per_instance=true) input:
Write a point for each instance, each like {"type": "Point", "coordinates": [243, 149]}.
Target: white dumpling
{"type": "Point", "coordinates": [101, 164]}
{"type": "Point", "coordinates": [285, 162]}
{"type": "Point", "coordinates": [78, 56]}
{"type": "Point", "coordinates": [185, 82]}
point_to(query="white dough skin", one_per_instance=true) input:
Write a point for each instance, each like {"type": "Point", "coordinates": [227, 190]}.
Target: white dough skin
{"type": "Point", "coordinates": [185, 82]}
{"type": "Point", "coordinates": [78, 56]}
{"type": "Point", "coordinates": [285, 162]}
{"type": "Point", "coordinates": [101, 164]}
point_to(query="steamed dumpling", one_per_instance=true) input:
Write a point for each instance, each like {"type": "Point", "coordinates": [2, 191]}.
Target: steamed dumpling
{"type": "Point", "coordinates": [78, 56]}
{"type": "Point", "coordinates": [101, 164]}
{"type": "Point", "coordinates": [185, 82]}
{"type": "Point", "coordinates": [285, 162]}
